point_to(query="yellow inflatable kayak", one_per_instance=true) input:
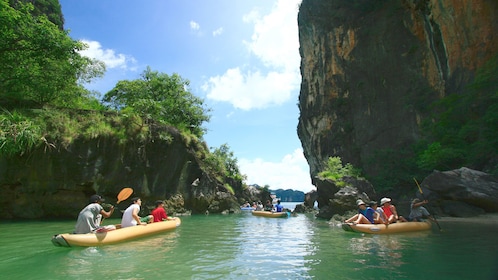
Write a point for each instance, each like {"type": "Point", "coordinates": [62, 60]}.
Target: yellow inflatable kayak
{"type": "Point", "coordinates": [271, 214]}
{"type": "Point", "coordinates": [113, 236]}
{"type": "Point", "coordinates": [391, 228]}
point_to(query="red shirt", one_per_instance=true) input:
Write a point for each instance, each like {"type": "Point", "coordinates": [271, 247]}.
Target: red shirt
{"type": "Point", "coordinates": [159, 214]}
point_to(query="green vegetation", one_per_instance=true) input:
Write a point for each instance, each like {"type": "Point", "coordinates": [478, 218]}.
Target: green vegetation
{"type": "Point", "coordinates": [463, 131]}
{"type": "Point", "coordinates": [160, 97]}
{"type": "Point", "coordinates": [39, 63]}
{"type": "Point", "coordinates": [221, 161]}
{"type": "Point", "coordinates": [460, 132]}
{"type": "Point", "coordinates": [335, 171]}
{"type": "Point", "coordinates": [44, 104]}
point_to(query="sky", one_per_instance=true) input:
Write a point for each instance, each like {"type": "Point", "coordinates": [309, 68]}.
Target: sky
{"type": "Point", "coordinates": [241, 57]}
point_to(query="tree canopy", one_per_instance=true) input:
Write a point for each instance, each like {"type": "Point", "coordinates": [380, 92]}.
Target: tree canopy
{"type": "Point", "coordinates": [39, 62]}
{"type": "Point", "coordinates": [162, 97]}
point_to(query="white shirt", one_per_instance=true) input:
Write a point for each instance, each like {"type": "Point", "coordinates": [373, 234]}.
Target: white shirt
{"type": "Point", "coordinates": [128, 220]}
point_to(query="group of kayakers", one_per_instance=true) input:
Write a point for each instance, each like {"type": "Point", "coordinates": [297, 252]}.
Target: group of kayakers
{"type": "Point", "coordinates": [387, 213]}
{"type": "Point", "coordinates": [91, 217]}
{"type": "Point", "coordinates": [267, 207]}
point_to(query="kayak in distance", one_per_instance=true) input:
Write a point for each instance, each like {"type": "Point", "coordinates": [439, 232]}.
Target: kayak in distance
{"type": "Point", "coordinates": [270, 214]}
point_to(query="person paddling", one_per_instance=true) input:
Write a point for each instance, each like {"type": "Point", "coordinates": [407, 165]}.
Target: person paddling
{"type": "Point", "coordinates": [418, 212]}
{"type": "Point", "coordinates": [90, 217]}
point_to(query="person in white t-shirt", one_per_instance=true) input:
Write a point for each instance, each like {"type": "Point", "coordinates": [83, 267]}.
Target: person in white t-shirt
{"type": "Point", "coordinates": [131, 217]}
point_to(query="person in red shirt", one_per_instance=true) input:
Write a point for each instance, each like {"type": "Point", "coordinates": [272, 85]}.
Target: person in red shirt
{"type": "Point", "coordinates": [159, 213]}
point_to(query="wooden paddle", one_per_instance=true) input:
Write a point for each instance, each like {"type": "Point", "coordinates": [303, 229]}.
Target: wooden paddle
{"type": "Point", "coordinates": [423, 196]}
{"type": "Point", "coordinates": [124, 194]}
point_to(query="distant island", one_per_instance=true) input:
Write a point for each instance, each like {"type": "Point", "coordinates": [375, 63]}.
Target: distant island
{"type": "Point", "coordinates": [289, 195]}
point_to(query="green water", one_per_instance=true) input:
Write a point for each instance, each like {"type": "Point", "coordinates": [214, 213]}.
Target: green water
{"type": "Point", "coordinates": [243, 246]}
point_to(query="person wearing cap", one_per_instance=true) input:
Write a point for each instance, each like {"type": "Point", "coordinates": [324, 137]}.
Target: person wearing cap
{"type": "Point", "coordinates": [130, 215]}
{"type": "Point", "coordinates": [390, 211]}
{"type": "Point", "coordinates": [418, 212]}
{"type": "Point", "coordinates": [380, 216]}
{"type": "Point", "coordinates": [365, 214]}
{"type": "Point", "coordinates": [159, 213]}
{"type": "Point", "coordinates": [90, 217]}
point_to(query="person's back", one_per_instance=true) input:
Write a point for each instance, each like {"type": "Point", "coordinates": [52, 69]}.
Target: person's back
{"type": "Point", "coordinates": [128, 220]}
{"type": "Point", "coordinates": [159, 213]}
{"type": "Point", "coordinates": [278, 207]}
{"type": "Point", "coordinates": [418, 211]}
{"type": "Point", "coordinates": [88, 218]}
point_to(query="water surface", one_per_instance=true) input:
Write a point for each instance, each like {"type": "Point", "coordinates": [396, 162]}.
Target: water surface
{"type": "Point", "coordinates": [243, 246]}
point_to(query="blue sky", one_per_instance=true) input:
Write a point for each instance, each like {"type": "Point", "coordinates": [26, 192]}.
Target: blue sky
{"type": "Point", "coordinates": [241, 57]}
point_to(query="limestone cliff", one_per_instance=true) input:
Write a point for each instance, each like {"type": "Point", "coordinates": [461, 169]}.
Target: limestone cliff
{"type": "Point", "coordinates": [370, 67]}
{"type": "Point", "coordinates": [55, 181]}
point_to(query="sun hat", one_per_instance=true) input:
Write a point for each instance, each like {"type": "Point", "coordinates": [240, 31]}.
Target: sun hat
{"type": "Point", "coordinates": [384, 200]}
{"type": "Point", "coordinates": [96, 198]}
{"type": "Point", "coordinates": [360, 202]}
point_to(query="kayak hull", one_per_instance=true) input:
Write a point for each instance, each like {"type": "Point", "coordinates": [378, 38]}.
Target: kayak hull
{"type": "Point", "coordinates": [391, 228]}
{"type": "Point", "coordinates": [269, 214]}
{"type": "Point", "coordinates": [113, 236]}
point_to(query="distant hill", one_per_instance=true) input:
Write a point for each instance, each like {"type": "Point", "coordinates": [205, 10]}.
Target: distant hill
{"type": "Point", "coordinates": [289, 195]}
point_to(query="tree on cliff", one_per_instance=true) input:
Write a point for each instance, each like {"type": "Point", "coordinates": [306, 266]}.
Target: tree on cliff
{"type": "Point", "coordinates": [161, 97]}
{"type": "Point", "coordinates": [463, 131]}
{"type": "Point", "coordinates": [39, 62]}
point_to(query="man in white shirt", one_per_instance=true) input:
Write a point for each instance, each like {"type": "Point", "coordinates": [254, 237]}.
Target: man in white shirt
{"type": "Point", "coordinates": [131, 217]}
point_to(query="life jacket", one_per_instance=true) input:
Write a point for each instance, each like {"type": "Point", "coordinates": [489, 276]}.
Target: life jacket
{"type": "Point", "coordinates": [387, 210]}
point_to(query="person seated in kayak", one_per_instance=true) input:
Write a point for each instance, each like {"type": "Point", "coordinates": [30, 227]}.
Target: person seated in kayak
{"type": "Point", "coordinates": [259, 206]}
{"type": "Point", "coordinates": [390, 211]}
{"type": "Point", "coordinates": [268, 206]}
{"type": "Point", "coordinates": [379, 216]}
{"type": "Point", "coordinates": [365, 214]}
{"type": "Point", "coordinates": [90, 217]}
{"type": "Point", "coordinates": [130, 215]}
{"type": "Point", "coordinates": [278, 207]}
{"type": "Point", "coordinates": [159, 213]}
{"type": "Point", "coordinates": [418, 212]}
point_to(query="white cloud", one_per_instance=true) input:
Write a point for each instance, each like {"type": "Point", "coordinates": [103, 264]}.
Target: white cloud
{"type": "Point", "coordinates": [292, 172]}
{"type": "Point", "coordinates": [251, 90]}
{"type": "Point", "coordinates": [194, 25]}
{"type": "Point", "coordinates": [218, 32]}
{"type": "Point", "coordinates": [108, 56]}
{"type": "Point", "coordinates": [274, 42]}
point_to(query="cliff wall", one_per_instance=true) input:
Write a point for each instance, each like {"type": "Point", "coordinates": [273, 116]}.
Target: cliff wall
{"type": "Point", "coordinates": [56, 181]}
{"type": "Point", "coordinates": [369, 69]}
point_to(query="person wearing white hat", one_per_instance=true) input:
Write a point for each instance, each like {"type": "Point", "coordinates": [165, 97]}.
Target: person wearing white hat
{"type": "Point", "coordinates": [365, 214]}
{"type": "Point", "coordinates": [390, 211]}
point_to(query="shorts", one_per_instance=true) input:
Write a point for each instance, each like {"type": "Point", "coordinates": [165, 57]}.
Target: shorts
{"type": "Point", "coordinates": [145, 219]}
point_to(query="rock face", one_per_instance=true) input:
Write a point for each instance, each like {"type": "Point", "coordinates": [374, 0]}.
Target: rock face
{"type": "Point", "coordinates": [369, 66]}
{"type": "Point", "coordinates": [333, 199]}
{"type": "Point", "coordinates": [462, 192]}
{"type": "Point", "coordinates": [57, 182]}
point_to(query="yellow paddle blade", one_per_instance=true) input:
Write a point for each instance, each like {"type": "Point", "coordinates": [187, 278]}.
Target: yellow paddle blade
{"type": "Point", "coordinates": [124, 194]}
{"type": "Point", "coordinates": [419, 188]}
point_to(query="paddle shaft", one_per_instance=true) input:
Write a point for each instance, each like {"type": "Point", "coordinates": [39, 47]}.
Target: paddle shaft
{"type": "Point", "coordinates": [423, 196]}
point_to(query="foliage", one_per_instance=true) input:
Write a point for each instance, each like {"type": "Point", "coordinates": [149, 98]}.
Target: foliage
{"type": "Point", "coordinates": [463, 129]}
{"type": "Point", "coordinates": [335, 170]}
{"type": "Point", "coordinates": [17, 134]}
{"type": "Point", "coordinates": [222, 161]}
{"type": "Point", "coordinates": [161, 97]}
{"type": "Point", "coordinates": [39, 63]}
